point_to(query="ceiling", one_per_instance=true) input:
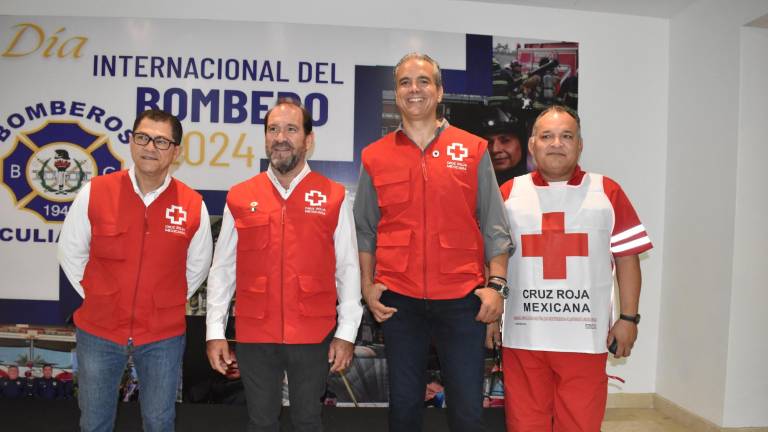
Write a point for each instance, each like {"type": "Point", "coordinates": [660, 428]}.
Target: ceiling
{"type": "Point", "coordinates": [651, 8]}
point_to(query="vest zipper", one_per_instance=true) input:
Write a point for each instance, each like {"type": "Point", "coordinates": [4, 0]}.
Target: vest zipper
{"type": "Point", "coordinates": [282, 273]}
{"type": "Point", "coordinates": [424, 216]}
{"type": "Point", "coordinates": [424, 205]}
{"type": "Point", "coordinates": [138, 276]}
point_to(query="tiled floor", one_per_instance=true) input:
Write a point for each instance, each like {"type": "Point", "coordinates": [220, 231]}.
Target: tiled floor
{"type": "Point", "coordinates": [639, 420]}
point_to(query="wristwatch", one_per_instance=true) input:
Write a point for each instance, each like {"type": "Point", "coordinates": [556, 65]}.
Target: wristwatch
{"type": "Point", "coordinates": [631, 318]}
{"type": "Point", "coordinates": [499, 287]}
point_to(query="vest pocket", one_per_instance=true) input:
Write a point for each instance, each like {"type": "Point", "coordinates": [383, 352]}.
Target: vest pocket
{"type": "Point", "coordinates": [317, 298]}
{"type": "Point", "coordinates": [252, 232]}
{"type": "Point", "coordinates": [393, 188]}
{"type": "Point", "coordinates": [459, 252]}
{"type": "Point", "coordinates": [101, 308]}
{"type": "Point", "coordinates": [251, 300]}
{"type": "Point", "coordinates": [169, 309]}
{"type": "Point", "coordinates": [393, 250]}
{"type": "Point", "coordinates": [108, 241]}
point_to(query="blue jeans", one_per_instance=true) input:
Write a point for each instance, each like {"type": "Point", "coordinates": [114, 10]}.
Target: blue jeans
{"type": "Point", "coordinates": [459, 340]}
{"type": "Point", "coordinates": [100, 366]}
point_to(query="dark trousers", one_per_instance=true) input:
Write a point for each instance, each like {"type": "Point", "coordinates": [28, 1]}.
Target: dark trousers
{"type": "Point", "coordinates": [459, 340]}
{"type": "Point", "coordinates": [262, 366]}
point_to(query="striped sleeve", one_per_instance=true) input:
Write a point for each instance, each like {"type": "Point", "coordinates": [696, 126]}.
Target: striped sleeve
{"type": "Point", "coordinates": [629, 236]}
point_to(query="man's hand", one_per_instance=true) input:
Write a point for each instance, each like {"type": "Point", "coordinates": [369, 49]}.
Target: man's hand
{"type": "Point", "coordinates": [372, 294]}
{"type": "Point", "coordinates": [491, 307]}
{"type": "Point", "coordinates": [218, 355]}
{"type": "Point", "coordinates": [340, 354]}
{"type": "Point", "coordinates": [625, 333]}
{"type": "Point", "coordinates": [493, 335]}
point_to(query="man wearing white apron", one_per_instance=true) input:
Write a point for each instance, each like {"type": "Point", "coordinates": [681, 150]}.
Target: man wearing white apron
{"type": "Point", "coordinates": [573, 230]}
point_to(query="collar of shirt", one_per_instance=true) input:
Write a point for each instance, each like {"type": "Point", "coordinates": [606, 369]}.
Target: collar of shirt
{"type": "Point", "coordinates": [285, 193]}
{"type": "Point", "coordinates": [151, 195]}
{"type": "Point", "coordinates": [576, 177]}
{"type": "Point", "coordinates": [440, 128]}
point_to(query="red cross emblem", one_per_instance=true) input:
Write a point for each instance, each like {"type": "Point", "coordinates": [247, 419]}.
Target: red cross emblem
{"type": "Point", "coordinates": [176, 215]}
{"type": "Point", "coordinates": [553, 245]}
{"type": "Point", "coordinates": [315, 198]}
{"type": "Point", "coordinates": [457, 151]}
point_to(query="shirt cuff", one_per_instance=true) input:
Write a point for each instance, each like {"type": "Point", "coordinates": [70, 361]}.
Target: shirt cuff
{"type": "Point", "coordinates": [499, 246]}
{"type": "Point", "coordinates": [366, 244]}
{"type": "Point", "coordinates": [347, 332]}
{"type": "Point", "coordinates": [214, 332]}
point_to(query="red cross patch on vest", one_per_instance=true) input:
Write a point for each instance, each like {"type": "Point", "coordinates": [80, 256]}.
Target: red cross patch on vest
{"type": "Point", "coordinates": [553, 245]}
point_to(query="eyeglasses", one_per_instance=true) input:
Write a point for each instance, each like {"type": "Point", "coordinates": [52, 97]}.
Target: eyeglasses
{"type": "Point", "coordinates": [143, 139]}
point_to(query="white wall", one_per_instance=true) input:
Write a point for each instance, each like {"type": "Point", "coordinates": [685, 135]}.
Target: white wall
{"type": "Point", "coordinates": [700, 308]}
{"type": "Point", "coordinates": [623, 83]}
{"type": "Point", "coordinates": [746, 390]}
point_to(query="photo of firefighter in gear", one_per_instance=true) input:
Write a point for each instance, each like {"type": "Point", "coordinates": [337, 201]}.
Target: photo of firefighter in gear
{"type": "Point", "coordinates": [507, 136]}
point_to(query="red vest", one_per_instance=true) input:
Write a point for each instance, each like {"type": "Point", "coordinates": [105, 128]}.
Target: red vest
{"type": "Point", "coordinates": [428, 242]}
{"type": "Point", "coordinates": [135, 281]}
{"type": "Point", "coordinates": [286, 262]}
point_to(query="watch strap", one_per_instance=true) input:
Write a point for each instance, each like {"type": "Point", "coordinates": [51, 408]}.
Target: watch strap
{"type": "Point", "coordinates": [499, 288]}
{"type": "Point", "coordinates": [631, 318]}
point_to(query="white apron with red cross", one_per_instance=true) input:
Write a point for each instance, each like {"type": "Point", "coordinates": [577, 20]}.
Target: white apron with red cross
{"type": "Point", "coordinates": [561, 274]}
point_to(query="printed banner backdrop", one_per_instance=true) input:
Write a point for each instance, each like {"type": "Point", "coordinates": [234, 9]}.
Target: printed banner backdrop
{"type": "Point", "coordinates": [71, 88]}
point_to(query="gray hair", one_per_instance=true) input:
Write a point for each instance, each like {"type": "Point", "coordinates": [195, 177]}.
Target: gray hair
{"type": "Point", "coordinates": [419, 56]}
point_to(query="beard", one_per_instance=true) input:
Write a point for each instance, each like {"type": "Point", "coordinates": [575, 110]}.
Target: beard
{"type": "Point", "coordinates": [284, 165]}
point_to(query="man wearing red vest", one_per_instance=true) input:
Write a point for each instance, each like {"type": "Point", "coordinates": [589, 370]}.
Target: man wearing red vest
{"type": "Point", "coordinates": [573, 229]}
{"type": "Point", "coordinates": [429, 216]}
{"type": "Point", "coordinates": [287, 251]}
{"type": "Point", "coordinates": [135, 244]}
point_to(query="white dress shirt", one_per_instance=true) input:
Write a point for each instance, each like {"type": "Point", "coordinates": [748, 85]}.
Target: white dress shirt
{"type": "Point", "coordinates": [221, 281]}
{"type": "Point", "coordinates": [75, 238]}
